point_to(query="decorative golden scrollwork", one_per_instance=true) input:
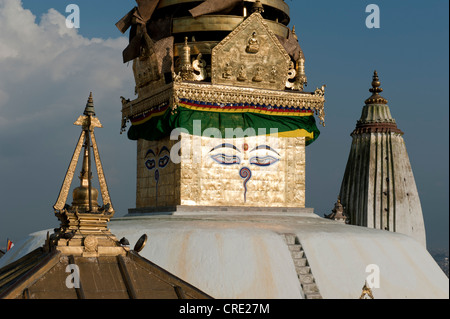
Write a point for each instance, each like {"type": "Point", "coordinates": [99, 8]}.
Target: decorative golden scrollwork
{"type": "Point", "coordinates": [291, 76]}
{"type": "Point", "coordinates": [225, 94]}
{"type": "Point", "coordinates": [199, 68]}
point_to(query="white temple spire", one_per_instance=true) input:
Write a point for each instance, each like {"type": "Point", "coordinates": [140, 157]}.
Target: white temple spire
{"type": "Point", "coordinates": [378, 189]}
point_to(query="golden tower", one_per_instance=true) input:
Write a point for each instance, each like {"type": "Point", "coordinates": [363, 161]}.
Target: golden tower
{"type": "Point", "coordinates": [221, 117]}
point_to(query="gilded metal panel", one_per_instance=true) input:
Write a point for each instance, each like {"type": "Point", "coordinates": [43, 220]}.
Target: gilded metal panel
{"type": "Point", "coordinates": [251, 56]}
{"type": "Point", "coordinates": [250, 174]}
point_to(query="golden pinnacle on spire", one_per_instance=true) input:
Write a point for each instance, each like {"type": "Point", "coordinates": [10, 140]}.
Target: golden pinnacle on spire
{"type": "Point", "coordinates": [376, 84]}
{"type": "Point", "coordinates": [294, 34]}
{"type": "Point", "coordinates": [376, 98]}
{"type": "Point", "coordinates": [88, 118]}
{"type": "Point", "coordinates": [89, 110]}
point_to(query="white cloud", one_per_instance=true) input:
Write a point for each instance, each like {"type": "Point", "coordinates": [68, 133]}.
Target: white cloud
{"type": "Point", "coordinates": [52, 61]}
{"type": "Point", "coordinates": [46, 73]}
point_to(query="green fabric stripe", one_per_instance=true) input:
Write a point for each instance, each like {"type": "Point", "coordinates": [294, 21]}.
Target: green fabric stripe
{"type": "Point", "coordinates": [160, 127]}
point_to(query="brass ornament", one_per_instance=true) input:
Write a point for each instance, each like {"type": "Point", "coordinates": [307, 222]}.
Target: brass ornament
{"type": "Point", "coordinates": [253, 44]}
{"type": "Point", "coordinates": [90, 243]}
{"type": "Point", "coordinates": [228, 71]}
{"type": "Point", "coordinates": [242, 74]}
{"type": "Point", "coordinates": [366, 292]}
{"type": "Point", "coordinates": [301, 79]}
{"type": "Point", "coordinates": [253, 51]}
{"type": "Point", "coordinates": [376, 89]}
{"type": "Point", "coordinates": [291, 76]}
{"type": "Point", "coordinates": [259, 74]}
{"type": "Point", "coordinates": [199, 68]}
{"type": "Point", "coordinates": [140, 244]}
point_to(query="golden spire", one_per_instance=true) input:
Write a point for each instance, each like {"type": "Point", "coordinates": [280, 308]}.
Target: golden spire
{"type": "Point", "coordinates": [376, 98]}
{"type": "Point", "coordinates": [84, 223]}
{"type": "Point", "coordinates": [85, 196]}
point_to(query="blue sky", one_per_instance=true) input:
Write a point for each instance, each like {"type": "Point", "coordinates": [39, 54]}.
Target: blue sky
{"type": "Point", "coordinates": [48, 72]}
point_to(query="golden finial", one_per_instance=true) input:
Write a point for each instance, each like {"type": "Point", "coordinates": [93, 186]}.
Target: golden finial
{"type": "Point", "coordinates": [376, 84]}
{"type": "Point", "coordinates": [376, 98]}
{"type": "Point", "coordinates": [89, 110]}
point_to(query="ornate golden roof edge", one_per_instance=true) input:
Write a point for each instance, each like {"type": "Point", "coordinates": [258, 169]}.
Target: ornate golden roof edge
{"type": "Point", "coordinates": [211, 93]}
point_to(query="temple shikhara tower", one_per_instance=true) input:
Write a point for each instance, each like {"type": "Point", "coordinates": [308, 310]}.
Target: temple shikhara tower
{"type": "Point", "coordinates": [378, 189]}
{"type": "Point", "coordinates": [230, 77]}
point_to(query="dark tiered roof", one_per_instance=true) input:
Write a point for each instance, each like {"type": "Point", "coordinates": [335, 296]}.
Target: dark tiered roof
{"type": "Point", "coordinates": [42, 274]}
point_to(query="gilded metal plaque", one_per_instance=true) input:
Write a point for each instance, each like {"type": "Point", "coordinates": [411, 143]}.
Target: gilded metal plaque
{"type": "Point", "coordinates": [260, 171]}
{"type": "Point", "coordinates": [251, 56]}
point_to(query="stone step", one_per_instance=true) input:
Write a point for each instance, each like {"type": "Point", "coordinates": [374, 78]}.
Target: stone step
{"type": "Point", "coordinates": [310, 289]}
{"type": "Point", "coordinates": [300, 262]}
{"type": "Point", "coordinates": [306, 279]}
{"type": "Point", "coordinates": [296, 247]}
{"type": "Point", "coordinates": [289, 239]}
{"type": "Point", "coordinates": [314, 296]}
{"type": "Point", "coordinates": [303, 270]}
{"type": "Point", "coordinates": [297, 254]}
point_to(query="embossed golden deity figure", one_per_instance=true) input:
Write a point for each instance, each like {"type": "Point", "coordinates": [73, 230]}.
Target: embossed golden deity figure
{"type": "Point", "coordinates": [221, 117]}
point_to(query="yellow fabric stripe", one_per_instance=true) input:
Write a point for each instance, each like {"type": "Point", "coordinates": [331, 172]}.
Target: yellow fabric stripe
{"type": "Point", "coordinates": [296, 133]}
{"type": "Point", "coordinates": [249, 110]}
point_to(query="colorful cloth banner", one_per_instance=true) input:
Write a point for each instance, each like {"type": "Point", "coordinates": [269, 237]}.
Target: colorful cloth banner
{"type": "Point", "coordinates": [9, 245]}
{"type": "Point", "coordinates": [289, 121]}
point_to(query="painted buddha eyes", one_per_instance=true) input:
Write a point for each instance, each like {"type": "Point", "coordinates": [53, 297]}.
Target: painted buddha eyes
{"type": "Point", "coordinates": [225, 159]}
{"type": "Point", "coordinates": [263, 161]}
{"type": "Point", "coordinates": [233, 159]}
{"type": "Point", "coordinates": [162, 162]}
{"type": "Point", "coordinates": [150, 164]}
